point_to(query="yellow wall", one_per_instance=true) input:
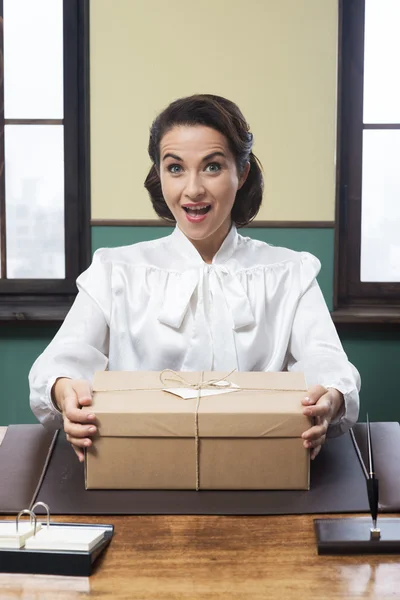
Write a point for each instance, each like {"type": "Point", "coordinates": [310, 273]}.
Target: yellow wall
{"type": "Point", "coordinates": [275, 58]}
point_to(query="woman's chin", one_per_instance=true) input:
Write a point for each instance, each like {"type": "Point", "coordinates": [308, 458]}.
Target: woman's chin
{"type": "Point", "coordinates": [195, 230]}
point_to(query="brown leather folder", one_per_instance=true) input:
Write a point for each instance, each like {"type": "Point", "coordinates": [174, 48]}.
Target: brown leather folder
{"type": "Point", "coordinates": [24, 455]}
{"type": "Point", "coordinates": [386, 446]}
{"type": "Point", "coordinates": [337, 482]}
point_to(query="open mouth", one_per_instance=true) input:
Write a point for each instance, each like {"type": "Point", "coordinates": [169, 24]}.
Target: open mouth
{"type": "Point", "coordinates": [197, 212]}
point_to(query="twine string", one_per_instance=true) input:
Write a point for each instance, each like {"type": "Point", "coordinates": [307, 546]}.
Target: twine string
{"type": "Point", "coordinates": [200, 385]}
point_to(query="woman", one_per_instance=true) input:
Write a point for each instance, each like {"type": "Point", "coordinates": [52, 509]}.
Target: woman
{"type": "Point", "coordinates": [203, 298]}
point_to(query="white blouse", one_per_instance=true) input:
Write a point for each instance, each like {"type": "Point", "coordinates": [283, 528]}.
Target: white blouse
{"type": "Point", "coordinates": [156, 305]}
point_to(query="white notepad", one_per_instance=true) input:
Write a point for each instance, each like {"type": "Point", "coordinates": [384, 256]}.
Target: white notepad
{"type": "Point", "coordinates": [10, 538]}
{"type": "Point", "coordinates": [65, 538]}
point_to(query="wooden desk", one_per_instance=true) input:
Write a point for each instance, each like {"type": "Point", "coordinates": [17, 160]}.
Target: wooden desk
{"type": "Point", "coordinates": [186, 557]}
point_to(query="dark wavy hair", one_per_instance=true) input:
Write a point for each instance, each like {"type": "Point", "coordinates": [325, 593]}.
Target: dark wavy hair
{"type": "Point", "coordinates": [223, 116]}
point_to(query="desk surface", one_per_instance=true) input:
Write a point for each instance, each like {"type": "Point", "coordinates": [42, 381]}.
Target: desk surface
{"type": "Point", "coordinates": [185, 557]}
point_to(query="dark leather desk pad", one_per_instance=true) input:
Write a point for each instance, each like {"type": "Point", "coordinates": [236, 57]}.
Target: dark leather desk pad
{"type": "Point", "coordinates": [337, 485]}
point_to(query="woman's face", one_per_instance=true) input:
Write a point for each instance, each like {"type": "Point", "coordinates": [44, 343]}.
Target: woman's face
{"type": "Point", "coordinates": [199, 181]}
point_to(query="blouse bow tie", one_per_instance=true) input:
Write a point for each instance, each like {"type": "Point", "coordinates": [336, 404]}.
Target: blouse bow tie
{"type": "Point", "coordinates": [222, 285]}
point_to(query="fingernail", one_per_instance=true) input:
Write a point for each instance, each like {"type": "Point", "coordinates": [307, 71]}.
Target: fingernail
{"type": "Point", "coordinates": [91, 416]}
{"type": "Point", "coordinates": [307, 411]}
{"type": "Point", "coordinates": [87, 442]}
{"type": "Point", "coordinates": [92, 429]}
{"type": "Point", "coordinates": [307, 399]}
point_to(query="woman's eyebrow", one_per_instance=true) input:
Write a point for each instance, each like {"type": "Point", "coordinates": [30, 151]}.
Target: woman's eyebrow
{"type": "Point", "coordinates": [212, 155]}
{"type": "Point", "coordinates": [208, 157]}
{"type": "Point", "coordinates": [174, 156]}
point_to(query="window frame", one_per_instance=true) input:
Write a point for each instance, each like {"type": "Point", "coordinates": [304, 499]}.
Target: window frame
{"type": "Point", "coordinates": [354, 301]}
{"type": "Point", "coordinates": [50, 299]}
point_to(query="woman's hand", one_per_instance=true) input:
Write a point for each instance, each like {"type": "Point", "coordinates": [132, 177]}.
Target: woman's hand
{"type": "Point", "coordinates": [322, 405]}
{"type": "Point", "coordinates": [70, 395]}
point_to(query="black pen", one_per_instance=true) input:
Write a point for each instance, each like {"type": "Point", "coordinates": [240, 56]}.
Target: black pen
{"type": "Point", "coordinates": [372, 481]}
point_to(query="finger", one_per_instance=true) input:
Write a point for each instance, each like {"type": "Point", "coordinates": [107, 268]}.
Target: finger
{"type": "Point", "coordinates": [77, 415]}
{"type": "Point", "coordinates": [316, 431]}
{"type": "Point", "coordinates": [77, 430]}
{"type": "Point", "coordinates": [83, 392]}
{"type": "Point", "coordinates": [315, 452]}
{"type": "Point", "coordinates": [321, 409]}
{"type": "Point", "coordinates": [79, 442]}
{"type": "Point", "coordinates": [314, 394]}
{"type": "Point", "coordinates": [73, 412]}
{"type": "Point", "coordinates": [315, 442]}
{"type": "Point", "coordinates": [80, 454]}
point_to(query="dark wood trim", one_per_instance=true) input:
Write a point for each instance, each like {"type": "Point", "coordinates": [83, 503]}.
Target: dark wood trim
{"type": "Point", "coordinates": [351, 143]}
{"type": "Point", "coordinates": [367, 314]}
{"type": "Point", "coordinates": [50, 299]}
{"type": "Point", "coordinates": [41, 287]}
{"type": "Point", "coordinates": [339, 211]}
{"type": "Point", "coordinates": [253, 224]}
{"type": "Point", "coordinates": [84, 191]}
{"type": "Point", "coordinates": [293, 224]}
{"type": "Point", "coordinates": [354, 301]}
{"type": "Point", "coordinates": [27, 308]}
{"type": "Point", "coordinates": [3, 242]}
{"type": "Point", "coordinates": [33, 121]}
{"type": "Point", "coordinates": [71, 165]}
{"type": "Point", "coordinates": [381, 126]}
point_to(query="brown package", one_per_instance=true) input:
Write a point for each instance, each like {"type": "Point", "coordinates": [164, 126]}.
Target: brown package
{"type": "Point", "coordinates": [249, 439]}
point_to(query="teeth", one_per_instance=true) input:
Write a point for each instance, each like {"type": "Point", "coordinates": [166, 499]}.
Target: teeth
{"type": "Point", "coordinates": [195, 207]}
{"type": "Point", "coordinates": [197, 211]}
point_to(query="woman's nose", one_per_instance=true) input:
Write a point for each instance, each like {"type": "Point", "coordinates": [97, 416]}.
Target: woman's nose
{"type": "Point", "coordinates": [194, 187]}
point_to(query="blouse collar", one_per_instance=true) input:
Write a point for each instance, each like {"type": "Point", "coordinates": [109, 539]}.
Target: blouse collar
{"type": "Point", "coordinates": [187, 249]}
{"type": "Point", "coordinates": [177, 294]}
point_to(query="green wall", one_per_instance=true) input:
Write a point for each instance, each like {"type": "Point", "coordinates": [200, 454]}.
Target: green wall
{"type": "Point", "coordinates": [375, 352]}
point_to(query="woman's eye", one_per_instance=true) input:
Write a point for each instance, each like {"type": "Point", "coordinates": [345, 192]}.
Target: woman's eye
{"type": "Point", "coordinates": [174, 169]}
{"type": "Point", "coordinates": [213, 168]}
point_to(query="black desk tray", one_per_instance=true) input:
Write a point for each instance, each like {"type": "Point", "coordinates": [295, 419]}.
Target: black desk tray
{"type": "Point", "coordinates": [55, 562]}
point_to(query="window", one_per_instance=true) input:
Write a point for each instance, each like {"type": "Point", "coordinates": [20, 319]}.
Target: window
{"type": "Point", "coordinates": [367, 264]}
{"type": "Point", "coordinates": [44, 156]}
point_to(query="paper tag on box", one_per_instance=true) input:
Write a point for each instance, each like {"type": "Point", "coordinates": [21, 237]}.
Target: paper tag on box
{"type": "Point", "coordinates": [189, 393]}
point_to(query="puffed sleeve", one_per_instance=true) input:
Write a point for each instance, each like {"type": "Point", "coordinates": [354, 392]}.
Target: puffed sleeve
{"type": "Point", "coordinates": [80, 347]}
{"type": "Point", "coordinates": [315, 348]}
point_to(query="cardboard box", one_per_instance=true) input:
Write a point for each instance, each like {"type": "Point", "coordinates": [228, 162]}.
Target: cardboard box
{"type": "Point", "coordinates": [247, 439]}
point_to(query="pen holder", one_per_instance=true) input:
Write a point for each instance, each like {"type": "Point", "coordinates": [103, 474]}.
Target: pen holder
{"type": "Point", "coordinates": [356, 536]}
